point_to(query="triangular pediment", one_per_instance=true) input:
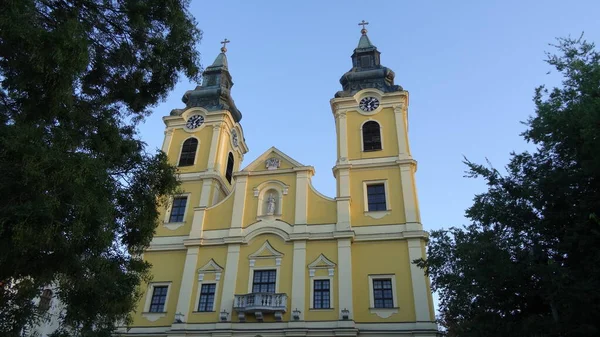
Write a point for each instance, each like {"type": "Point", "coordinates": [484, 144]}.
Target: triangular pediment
{"type": "Point", "coordinates": [272, 160]}
{"type": "Point", "coordinates": [265, 251]}
{"type": "Point", "coordinates": [211, 267]}
{"type": "Point", "coordinates": [321, 262]}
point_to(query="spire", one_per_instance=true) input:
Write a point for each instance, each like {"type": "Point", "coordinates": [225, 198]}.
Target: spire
{"type": "Point", "coordinates": [221, 60]}
{"type": "Point", "coordinates": [215, 92]}
{"type": "Point", "coordinates": [367, 71]}
{"type": "Point", "coordinates": [364, 41]}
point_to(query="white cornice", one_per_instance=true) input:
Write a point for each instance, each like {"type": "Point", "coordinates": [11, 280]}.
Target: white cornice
{"type": "Point", "coordinates": [286, 232]}
{"type": "Point", "coordinates": [374, 163]}
{"type": "Point", "coordinates": [318, 327]}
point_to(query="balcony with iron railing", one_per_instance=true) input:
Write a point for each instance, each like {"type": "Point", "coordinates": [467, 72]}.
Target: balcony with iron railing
{"type": "Point", "coordinates": [260, 304]}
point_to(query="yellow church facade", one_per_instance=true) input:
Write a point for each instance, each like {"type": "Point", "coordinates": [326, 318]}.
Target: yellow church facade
{"type": "Point", "coordinates": [258, 251]}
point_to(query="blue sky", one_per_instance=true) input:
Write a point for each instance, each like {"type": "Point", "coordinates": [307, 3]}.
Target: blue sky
{"type": "Point", "coordinates": [470, 68]}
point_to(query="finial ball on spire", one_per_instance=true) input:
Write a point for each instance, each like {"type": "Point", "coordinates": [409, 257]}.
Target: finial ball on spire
{"type": "Point", "coordinates": [224, 48]}
{"type": "Point", "coordinates": [363, 23]}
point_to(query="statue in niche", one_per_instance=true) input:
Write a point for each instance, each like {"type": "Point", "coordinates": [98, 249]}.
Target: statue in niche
{"type": "Point", "coordinates": [270, 204]}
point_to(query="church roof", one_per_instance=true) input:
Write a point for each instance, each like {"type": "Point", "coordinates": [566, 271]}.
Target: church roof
{"type": "Point", "coordinates": [215, 91]}
{"type": "Point", "coordinates": [364, 42]}
{"type": "Point", "coordinates": [367, 71]}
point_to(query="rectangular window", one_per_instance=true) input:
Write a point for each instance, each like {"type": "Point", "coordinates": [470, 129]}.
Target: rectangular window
{"type": "Point", "coordinates": [376, 197]}
{"type": "Point", "coordinates": [264, 281]}
{"type": "Point", "coordinates": [382, 293]}
{"type": "Point", "coordinates": [159, 297]}
{"type": "Point", "coordinates": [207, 297]}
{"type": "Point", "coordinates": [321, 294]}
{"type": "Point", "coordinates": [178, 209]}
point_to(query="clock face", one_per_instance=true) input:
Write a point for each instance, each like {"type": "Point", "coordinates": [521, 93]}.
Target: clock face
{"type": "Point", "coordinates": [234, 137]}
{"type": "Point", "coordinates": [194, 122]}
{"type": "Point", "coordinates": [369, 104]}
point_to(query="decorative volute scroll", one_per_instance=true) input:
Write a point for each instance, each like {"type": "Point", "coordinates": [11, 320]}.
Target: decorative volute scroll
{"type": "Point", "coordinates": [321, 262]}
{"type": "Point", "coordinates": [210, 267]}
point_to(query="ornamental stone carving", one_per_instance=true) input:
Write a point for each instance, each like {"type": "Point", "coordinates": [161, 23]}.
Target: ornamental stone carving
{"type": "Point", "coordinates": [272, 163]}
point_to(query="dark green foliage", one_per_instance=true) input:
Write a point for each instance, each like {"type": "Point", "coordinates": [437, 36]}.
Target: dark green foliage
{"type": "Point", "coordinates": [78, 191]}
{"type": "Point", "coordinates": [529, 262]}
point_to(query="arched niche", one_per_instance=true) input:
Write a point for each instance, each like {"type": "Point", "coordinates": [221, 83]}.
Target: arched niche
{"type": "Point", "coordinates": [270, 198]}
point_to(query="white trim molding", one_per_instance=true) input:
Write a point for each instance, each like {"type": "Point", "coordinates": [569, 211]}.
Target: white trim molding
{"type": "Point", "coordinates": [210, 267]}
{"type": "Point", "coordinates": [321, 262]}
{"type": "Point", "coordinates": [174, 225]}
{"type": "Point", "coordinates": [153, 316]}
{"type": "Point", "coordinates": [345, 277]}
{"type": "Point", "coordinates": [268, 249]}
{"type": "Point", "coordinates": [376, 214]}
{"type": "Point", "coordinates": [299, 277]}
{"type": "Point", "coordinates": [383, 312]}
{"type": "Point", "coordinates": [272, 254]}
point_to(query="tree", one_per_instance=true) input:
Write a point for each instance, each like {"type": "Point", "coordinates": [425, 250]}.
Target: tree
{"type": "Point", "coordinates": [79, 192]}
{"type": "Point", "coordinates": [529, 262]}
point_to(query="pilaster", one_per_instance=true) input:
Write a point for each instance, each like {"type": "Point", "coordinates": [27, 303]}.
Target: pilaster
{"type": "Point", "coordinates": [340, 119]}
{"type": "Point", "coordinates": [214, 147]}
{"type": "Point", "coordinates": [401, 131]}
{"type": "Point", "coordinates": [299, 277]}
{"type": "Point", "coordinates": [415, 251]}
{"type": "Point", "coordinates": [167, 141]}
{"type": "Point", "coordinates": [187, 282]}
{"type": "Point", "coordinates": [345, 277]}
{"type": "Point", "coordinates": [222, 153]}
{"type": "Point", "coordinates": [343, 200]}
{"type": "Point", "coordinates": [231, 268]}
{"type": "Point", "coordinates": [301, 197]}
{"type": "Point", "coordinates": [238, 201]}
{"type": "Point", "coordinates": [205, 193]}
{"type": "Point", "coordinates": [409, 194]}
{"type": "Point", "coordinates": [197, 222]}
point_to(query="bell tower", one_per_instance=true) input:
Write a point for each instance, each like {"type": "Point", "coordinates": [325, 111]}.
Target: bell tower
{"type": "Point", "coordinates": [206, 142]}
{"type": "Point", "coordinates": [375, 171]}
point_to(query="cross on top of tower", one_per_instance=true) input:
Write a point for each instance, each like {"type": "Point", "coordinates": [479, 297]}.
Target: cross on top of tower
{"type": "Point", "coordinates": [363, 31]}
{"type": "Point", "coordinates": [224, 48]}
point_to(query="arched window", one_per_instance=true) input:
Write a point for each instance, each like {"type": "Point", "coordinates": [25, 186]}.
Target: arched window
{"type": "Point", "coordinates": [229, 171]}
{"type": "Point", "coordinates": [188, 152]}
{"type": "Point", "coordinates": [45, 299]}
{"type": "Point", "coordinates": [371, 136]}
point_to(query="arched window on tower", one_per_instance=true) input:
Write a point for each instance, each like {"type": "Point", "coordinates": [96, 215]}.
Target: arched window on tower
{"type": "Point", "coordinates": [188, 152]}
{"type": "Point", "coordinates": [229, 171]}
{"type": "Point", "coordinates": [371, 136]}
{"type": "Point", "coordinates": [44, 304]}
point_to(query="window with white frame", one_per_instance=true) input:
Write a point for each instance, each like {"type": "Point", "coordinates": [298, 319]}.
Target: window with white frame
{"type": "Point", "coordinates": [321, 294]}
{"type": "Point", "coordinates": [371, 134]}
{"type": "Point", "coordinates": [207, 297]}
{"type": "Point", "coordinates": [178, 209]}
{"type": "Point", "coordinates": [264, 281]}
{"type": "Point", "coordinates": [376, 197]}
{"type": "Point", "coordinates": [188, 152]}
{"type": "Point", "coordinates": [382, 291]}
{"type": "Point", "coordinates": [159, 298]}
